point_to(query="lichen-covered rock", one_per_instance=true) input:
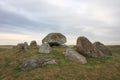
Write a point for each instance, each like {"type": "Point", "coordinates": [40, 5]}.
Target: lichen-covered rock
{"type": "Point", "coordinates": [85, 47]}
{"type": "Point", "coordinates": [22, 46]}
{"type": "Point", "coordinates": [33, 43]}
{"type": "Point", "coordinates": [55, 39]}
{"type": "Point", "coordinates": [75, 56]}
{"type": "Point", "coordinates": [36, 62]}
{"type": "Point", "coordinates": [45, 48]}
{"type": "Point", "coordinates": [102, 49]}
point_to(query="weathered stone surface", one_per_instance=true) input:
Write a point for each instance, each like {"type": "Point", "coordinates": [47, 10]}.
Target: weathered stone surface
{"type": "Point", "coordinates": [36, 62]}
{"type": "Point", "coordinates": [102, 49]}
{"type": "Point", "coordinates": [75, 56]}
{"type": "Point", "coordinates": [45, 48]}
{"type": "Point", "coordinates": [33, 43]}
{"type": "Point", "coordinates": [26, 45]}
{"type": "Point", "coordinates": [22, 46]}
{"type": "Point", "coordinates": [55, 39]}
{"type": "Point", "coordinates": [85, 47]}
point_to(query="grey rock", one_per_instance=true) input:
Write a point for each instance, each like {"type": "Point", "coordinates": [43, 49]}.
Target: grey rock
{"type": "Point", "coordinates": [102, 49]}
{"type": "Point", "coordinates": [45, 48]}
{"type": "Point", "coordinates": [22, 46]}
{"type": "Point", "coordinates": [36, 62]}
{"type": "Point", "coordinates": [26, 45]}
{"type": "Point", "coordinates": [55, 39]}
{"type": "Point", "coordinates": [85, 47]}
{"type": "Point", "coordinates": [75, 56]}
{"type": "Point", "coordinates": [33, 43]}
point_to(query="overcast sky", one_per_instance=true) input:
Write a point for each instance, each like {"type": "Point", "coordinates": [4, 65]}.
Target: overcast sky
{"type": "Point", "coordinates": [26, 20]}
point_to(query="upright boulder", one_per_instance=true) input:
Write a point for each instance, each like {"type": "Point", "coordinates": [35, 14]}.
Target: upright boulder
{"type": "Point", "coordinates": [55, 39]}
{"type": "Point", "coordinates": [75, 56]}
{"type": "Point", "coordinates": [102, 49]}
{"type": "Point", "coordinates": [85, 47]}
{"type": "Point", "coordinates": [45, 48]}
{"type": "Point", "coordinates": [33, 43]}
{"type": "Point", "coordinates": [26, 45]}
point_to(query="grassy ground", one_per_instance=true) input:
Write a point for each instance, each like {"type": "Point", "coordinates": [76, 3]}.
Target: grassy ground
{"type": "Point", "coordinates": [95, 69]}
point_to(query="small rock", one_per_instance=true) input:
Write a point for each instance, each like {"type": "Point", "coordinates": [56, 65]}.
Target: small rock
{"type": "Point", "coordinates": [26, 45]}
{"type": "Point", "coordinates": [22, 46]}
{"type": "Point", "coordinates": [33, 43]}
{"type": "Point", "coordinates": [75, 56]}
{"type": "Point", "coordinates": [45, 48]}
{"type": "Point", "coordinates": [36, 62]}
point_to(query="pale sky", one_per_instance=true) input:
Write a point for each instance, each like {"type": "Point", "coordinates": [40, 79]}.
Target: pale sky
{"type": "Point", "coordinates": [27, 20]}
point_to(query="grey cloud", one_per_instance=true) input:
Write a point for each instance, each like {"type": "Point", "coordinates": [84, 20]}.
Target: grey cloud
{"type": "Point", "coordinates": [96, 19]}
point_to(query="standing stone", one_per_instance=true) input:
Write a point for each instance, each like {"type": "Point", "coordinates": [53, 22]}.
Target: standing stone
{"type": "Point", "coordinates": [102, 49]}
{"type": "Point", "coordinates": [33, 43]}
{"type": "Point", "coordinates": [85, 47]}
{"type": "Point", "coordinates": [36, 62]}
{"type": "Point", "coordinates": [55, 39]}
{"type": "Point", "coordinates": [75, 56]}
{"type": "Point", "coordinates": [45, 48]}
{"type": "Point", "coordinates": [26, 45]}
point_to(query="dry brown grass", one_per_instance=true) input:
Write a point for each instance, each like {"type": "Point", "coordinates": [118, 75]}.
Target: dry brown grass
{"type": "Point", "coordinates": [95, 69]}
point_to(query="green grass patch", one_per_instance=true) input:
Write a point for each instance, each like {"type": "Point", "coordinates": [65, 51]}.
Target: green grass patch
{"type": "Point", "coordinates": [57, 54]}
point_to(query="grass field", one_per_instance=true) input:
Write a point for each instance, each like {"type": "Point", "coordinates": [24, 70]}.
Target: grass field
{"type": "Point", "coordinates": [95, 69]}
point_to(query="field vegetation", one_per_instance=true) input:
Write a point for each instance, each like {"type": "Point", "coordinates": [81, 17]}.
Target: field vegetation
{"type": "Point", "coordinates": [95, 69]}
